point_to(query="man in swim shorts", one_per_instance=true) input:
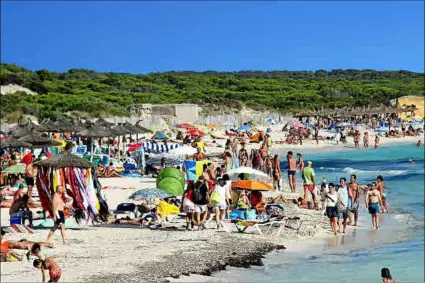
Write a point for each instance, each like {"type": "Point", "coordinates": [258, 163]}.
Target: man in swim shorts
{"type": "Point", "coordinates": [354, 199]}
{"type": "Point", "coordinates": [292, 170]}
{"type": "Point", "coordinates": [58, 207]}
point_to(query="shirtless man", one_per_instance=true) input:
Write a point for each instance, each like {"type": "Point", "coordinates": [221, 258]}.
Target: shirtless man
{"type": "Point", "coordinates": [373, 200]}
{"type": "Point", "coordinates": [30, 174]}
{"type": "Point", "coordinates": [381, 187]}
{"type": "Point", "coordinates": [292, 170]}
{"type": "Point", "coordinates": [356, 140]}
{"type": "Point", "coordinates": [58, 207]}
{"type": "Point", "coordinates": [199, 155]}
{"type": "Point", "coordinates": [354, 200]}
{"type": "Point", "coordinates": [419, 144]}
{"type": "Point", "coordinates": [366, 140]}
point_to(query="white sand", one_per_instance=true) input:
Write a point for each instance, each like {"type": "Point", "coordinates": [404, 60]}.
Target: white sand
{"type": "Point", "coordinates": [95, 251]}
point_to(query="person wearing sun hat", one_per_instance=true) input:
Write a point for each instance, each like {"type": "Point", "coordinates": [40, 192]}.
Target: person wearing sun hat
{"type": "Point", "coordinates": [309, 180]}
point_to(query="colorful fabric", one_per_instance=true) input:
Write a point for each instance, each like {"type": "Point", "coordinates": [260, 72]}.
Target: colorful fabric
{"type": "Point", "coordinates": [194, 168]}
{"type": "Point", "coordinates": [21, 229]}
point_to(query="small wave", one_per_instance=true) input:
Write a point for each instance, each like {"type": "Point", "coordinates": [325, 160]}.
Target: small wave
{"type": "Point", "coordinates": [349, 170]}
{"type": "Point", "coordinates": [327, 169]}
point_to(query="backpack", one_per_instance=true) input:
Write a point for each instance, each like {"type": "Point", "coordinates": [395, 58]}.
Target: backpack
{"type": "Point", "coordinates": [196, 193]}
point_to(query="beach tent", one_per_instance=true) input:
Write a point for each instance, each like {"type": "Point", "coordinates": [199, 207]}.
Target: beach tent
{"type": "Point", "coordinates": [159, 135]}
{"type": "Point", "coordinates": [271, 121]}
{"type": "Point", "coordinates": [255, 138]}
{"type": "Point", "coordinates": [194, 169]}
{"type": "Point", "coordinates": [171, 172]}
{"type": "Point", "coordinates": [244, 128]}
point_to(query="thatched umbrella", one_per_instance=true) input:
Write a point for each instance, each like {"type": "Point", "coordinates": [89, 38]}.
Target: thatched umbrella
{"type": "Point", "coordinates": [142, 129]}
{"type": "Point", "coordinates": [136, 129]}
{"type": "Point", "coordinates": [47, 126]}
{"type": "Point", "coordinates": [3, 144]}
{"type": "Point", "coordinates": [23, 130]}
{"type": "Point", "coordinates": [103, 122]}
{"type": "Point", "coordinates": [120, 130]}
{"type": "Point", "coordinates": [65, 160]}
{"type": "Point", "coordinates": [13, 142]}
{"type": "Point", "coordinates": [38, 141]}
{"type": "Point", "coordinates": [96, 132]}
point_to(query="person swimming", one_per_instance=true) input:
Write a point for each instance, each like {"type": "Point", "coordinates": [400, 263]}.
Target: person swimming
{"type": "Point", "coordinates": [411, 161]}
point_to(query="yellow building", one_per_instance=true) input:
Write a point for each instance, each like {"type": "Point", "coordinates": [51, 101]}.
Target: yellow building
{"type": "Point", "coordinates": [407, 101]}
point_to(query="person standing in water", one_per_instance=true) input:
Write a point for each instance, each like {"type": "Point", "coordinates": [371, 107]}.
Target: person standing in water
{"type": "Point", "coordinates": [300, 163]}
{"type": "Point", "coordinates": [373, 200]}
{"type": "Point", "coordinates": [419, 144]}
{"type": "Point", "coordinates": [58, 207]}
{"type": "Point", "coordinates": [343, 197]}
{"type": "Point", "coordinates": [381, 187]}
{"type": "Point", "coordinates": [354, 200]}
{"type": "Point", "coordinates": [386, 276]}
{"type": "Point", "coordinates": [292, 170]}
{"type": "Point", "coordinates": [331, 199]}
{"type": "Point", "coordinates": [377, 142]}
{"type": "Point", "coordinates": [366, 140]}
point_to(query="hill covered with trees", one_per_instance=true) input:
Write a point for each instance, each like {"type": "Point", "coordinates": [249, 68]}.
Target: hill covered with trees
{"type": "Point", "coordinates": [100, 93]}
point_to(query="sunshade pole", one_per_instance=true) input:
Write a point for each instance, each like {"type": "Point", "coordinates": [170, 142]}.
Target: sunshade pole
{"type": "Point", "coordinates": [92, 150]}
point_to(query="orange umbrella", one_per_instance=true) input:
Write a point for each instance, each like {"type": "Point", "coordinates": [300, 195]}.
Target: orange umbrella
{"type": "Point", "coordinates": [252, 185]}
{"type": "Point", "coordinates": [212, 126]}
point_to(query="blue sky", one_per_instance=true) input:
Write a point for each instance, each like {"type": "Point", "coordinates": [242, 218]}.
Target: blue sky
{"type": "Point", "coordinates": [141, 37]}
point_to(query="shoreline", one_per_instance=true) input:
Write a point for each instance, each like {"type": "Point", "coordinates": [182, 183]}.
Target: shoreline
{"type": "Point", "coordinates": [139, 254]}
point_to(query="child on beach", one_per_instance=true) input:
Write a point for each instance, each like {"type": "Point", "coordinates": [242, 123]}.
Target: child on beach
{"type": "Point", "coordinates": [55, 272]}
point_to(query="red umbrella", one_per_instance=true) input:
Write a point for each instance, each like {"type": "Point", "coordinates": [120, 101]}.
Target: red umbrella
{"type": "Point", "coordinates": [194, 132]}
{"type": "Point", "coordinates": [185, 125]}
{"type": "Point", "coordinates": [133, 147]}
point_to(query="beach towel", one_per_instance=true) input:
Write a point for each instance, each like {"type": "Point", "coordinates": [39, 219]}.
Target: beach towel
{"type": "Point", "coordinates": [43, 190]}
{"type": "Point", "coordinates": [15, 229]}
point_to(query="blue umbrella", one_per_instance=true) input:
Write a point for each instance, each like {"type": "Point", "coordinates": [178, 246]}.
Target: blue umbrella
{"type": "Point", "coordinates": [149, 193]}
{"type": "Point", "coordinates": [244, 128]}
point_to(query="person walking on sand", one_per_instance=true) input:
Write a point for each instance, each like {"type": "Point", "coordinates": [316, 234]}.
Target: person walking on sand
{"type": "Point", "coordinates": [276, 172]}
{"type": "Point", "coordinates": [58, 207]}
{"type": "Point", "coordinates": [219, 199]}
{"type": "Point", "coordinates": [55, 272]}
{"type": "Point", "coordinates": [200, 198]}
{"type": "Point", "coordinates": [354, 200]}
{"type": "Point", "coordinates": [377, 142]}
{"type": "Point", "coordinates": [386, 276]}
{"type": "Point", "coordinates": [309, 180]}
{"type": "Point", "coordinates": [381, 187]}
{"type": "Point", "coordinates": [341, 206]}
{"type": "Point", "coordinates": [373, 200]}
{"type": "Point", "coordinates": [331, 212]}
{"type": "Point", "coordinates": [316, 134]}
{"type": "Point", "coordinates": [292, 170]}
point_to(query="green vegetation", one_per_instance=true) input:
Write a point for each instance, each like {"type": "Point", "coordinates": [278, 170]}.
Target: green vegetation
{"type": "Point", "coordinates": [97, 93]}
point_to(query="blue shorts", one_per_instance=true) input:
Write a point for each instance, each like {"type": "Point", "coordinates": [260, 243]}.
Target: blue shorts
{"type": "Point", "coordinates": [354, 208]}
{"type": "Point", "coordinates": [343, 215]}
{"type": "Point", "coordinates": [374, 208]}
{"type": "Point", "coordinates": [291, 172]}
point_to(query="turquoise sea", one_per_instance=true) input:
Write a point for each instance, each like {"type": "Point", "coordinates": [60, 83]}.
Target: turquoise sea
{"type": "Point", "coordinates": [359, 255]}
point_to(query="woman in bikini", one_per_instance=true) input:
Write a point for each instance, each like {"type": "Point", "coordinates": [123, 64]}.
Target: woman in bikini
{"type": "Point", "coordinates": [373, 200]}
{"type": "Point", "coordinates": [276, 171]}
{"type": "Point", "coordinates": [55, 272]}
{"type": "Point", "coordinates": [376, 142]}
{"type": "Point", "coordinates": [381, 187]}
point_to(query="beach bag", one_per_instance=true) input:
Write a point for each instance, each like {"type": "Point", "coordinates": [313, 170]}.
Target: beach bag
{"type": "Point", "coordinates": [215, 197]}
{"type": "Point", "coordinates": [340, 207]}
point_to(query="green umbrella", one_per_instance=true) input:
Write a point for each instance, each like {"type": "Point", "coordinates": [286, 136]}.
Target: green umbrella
{"type": "Point", "coordinates": [15, 169]}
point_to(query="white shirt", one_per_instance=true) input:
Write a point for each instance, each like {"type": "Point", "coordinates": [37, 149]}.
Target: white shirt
{"type": "Point", "coordinates": [222, 191]}
{"type": "Point", "coordinates": [343, 195]}
{"type": "Point", "coordinates": [228, 186]}
{"type": "Point", "coordinates": [329, 202]}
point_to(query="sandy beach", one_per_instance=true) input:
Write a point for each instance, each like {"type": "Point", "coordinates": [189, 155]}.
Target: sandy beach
{"type": "Point", "coordinates": [119, 253]}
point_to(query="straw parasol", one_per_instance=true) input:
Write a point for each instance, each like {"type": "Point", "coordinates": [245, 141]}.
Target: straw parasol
{"type": "Point", "coordinates": [120, 130]}
{"type": "Point", "coordinates": [13, 142]}
{"type": "Point", "coordinates": [103, 122]}
{"type": "Point", "coordinates": [96, 132]}
{"type": "Point", "coordinates": [23, 130]}
{"type": "Point", "coordinates": [65, 160]}
{"type": "Point", "coordinates": [38, 141]}
{"type": "Point", "coordinates": [135, 129]}
{"type": "Point", "coordinates": [142, 129]}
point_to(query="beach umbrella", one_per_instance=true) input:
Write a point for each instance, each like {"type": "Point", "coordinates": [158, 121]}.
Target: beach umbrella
{"type": "Point", "coordinates": [196, 132]}
{"type": "Point", "coordinates": [142, 129]}
{"type": "Point", "coordinates": [213, 126]}
{"type": "Point", "coordinates": [119, 130]}
{"type": "Point", "coordinates": [103, 123]}
{"type": "Point", "coordinates": [271, 121]}
{"type": "Point", "coordinates": [3, 144]}
{"type": "Point", "coordinates": [298, 125]}
{"type": "Point", "coordinates": [38, 141]}
{"type": "Point", "coordinates": [159, 135]}
{"type": "Point", "coordinates": [13, 142]}
{"type": "Point", "coordinates": [184, 125]}
{"type": "Point", "coordinates": [65, 160]}
{"type": "Point", "coordinates": [135, 129]}
{"type": "Point", "coordinates": [253, 174]}
{"type": "Point", "coordinates": [252, 185]}
{"type": "Point", "coordinates": [22, 131]}
{"type": "Point", "coordinates": [95, 132]}
{"type": "Point", "coordinates": [149, 193]}
{"type": "Point", "coordinates": [246, 127]}
{"type": "Point", "coordinates": [15, 169]}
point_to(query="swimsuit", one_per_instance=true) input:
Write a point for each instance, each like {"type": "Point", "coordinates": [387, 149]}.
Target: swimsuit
{"type": "Point", "coordinates": [374, 208]}
{"type": "Point", "coordinates": [292, 172]}
{"type": "Point", "coordinates": [61, 219]}
{"type": "Point", "coordinates": [55, 272]}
